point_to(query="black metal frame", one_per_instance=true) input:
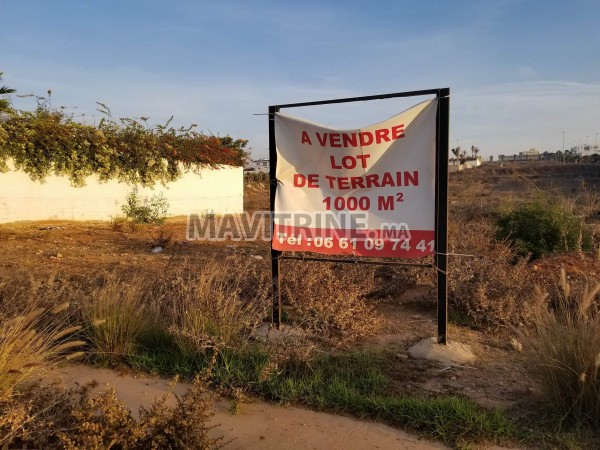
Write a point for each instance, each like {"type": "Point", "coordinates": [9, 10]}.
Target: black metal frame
{"type": "Point", "coordinates": [441, 202]}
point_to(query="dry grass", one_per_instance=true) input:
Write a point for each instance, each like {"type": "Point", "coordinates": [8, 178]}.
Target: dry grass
{"type": "Point", "coordinates": [562, 348]}
{"type": "Point", "coordinates": [329, 300]}
{"type": "Point", "coordinates": [587, 200]}
{"type": "Point", "coordinates": [392, 281]}
{"type": "Point", "coordinates": [213, 305]}
{"type": "Point", "coordinates": [21, 288]}
{"type": "Point", "coordinates": [31, 342]}
{"type": "Point", "coordinates": [114, 315]}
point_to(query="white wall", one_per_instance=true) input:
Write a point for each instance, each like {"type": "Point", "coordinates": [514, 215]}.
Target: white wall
{"type": "Point", "coordinates": [472, 163]}
{"type": "Point", "coordinates": [213, 190]}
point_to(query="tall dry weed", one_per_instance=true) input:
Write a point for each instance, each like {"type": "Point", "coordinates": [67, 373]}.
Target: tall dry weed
{"type": "Point", "coordinates": [33, 341]}
{"type": "Point", "coordinates": [492, 286]}
{"type": "Point", "coordinates": [562, 351]}
{"type": "Point", "coordinates": [213, 305]}
{"type": "Point", "coordinates": [114, 315]}
{"type": "Point", "coordinates": [53, 417]}
{"type": "Point", "coordinates": [587, 199]}
{"type": "Point", "coordinates": [22, 287]}
{"type": "Point", "coordinates": [329, 299]}
{"type": "Point", "coordinates": [393, 281]}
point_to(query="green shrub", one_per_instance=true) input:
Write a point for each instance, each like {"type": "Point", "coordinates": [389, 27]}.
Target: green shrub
{"type": "Point", "coordinates": [48, 141]}
{"type": "Point", "coordinates": [538, 227]}
{"type": "Point", "coordinates": [153, 211]}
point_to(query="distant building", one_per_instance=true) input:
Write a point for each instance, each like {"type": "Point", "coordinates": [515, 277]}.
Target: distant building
{"type": "Point", "coordinates": [531, 153]}
{"type": "Point", "coordinates": [585, 149]}
{"type": "Point", "coordinates": [528, 155]}
{"type": "Point", "coordinates": [258, 165]}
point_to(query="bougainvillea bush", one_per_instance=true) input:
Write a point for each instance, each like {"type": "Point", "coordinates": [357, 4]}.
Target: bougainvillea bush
{"type": "Point", "coordinates": [48, 141]}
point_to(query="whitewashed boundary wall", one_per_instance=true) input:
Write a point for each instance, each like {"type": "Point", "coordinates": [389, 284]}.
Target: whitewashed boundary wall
{"type": "Point", "coordinates": [217, 191]}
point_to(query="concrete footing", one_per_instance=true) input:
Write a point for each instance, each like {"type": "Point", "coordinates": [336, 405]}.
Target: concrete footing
{"type": "Point", "coordinates": [452, 353]}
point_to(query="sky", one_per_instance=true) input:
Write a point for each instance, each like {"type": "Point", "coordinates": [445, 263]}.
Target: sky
{"type": "Point", "coordinates": [521, 72]}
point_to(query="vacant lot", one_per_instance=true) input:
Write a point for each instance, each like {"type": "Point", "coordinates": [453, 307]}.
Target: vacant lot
{"type": "Point", "coordinates": [348, 326]}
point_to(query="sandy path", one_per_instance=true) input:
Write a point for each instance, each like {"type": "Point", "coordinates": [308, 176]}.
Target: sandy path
{"type": "Point", "coordinates": [261, 425]}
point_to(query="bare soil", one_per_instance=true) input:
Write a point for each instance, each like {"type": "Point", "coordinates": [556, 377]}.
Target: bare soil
{"type": "Point", "coordinates": [257, 425]}
{"type": "Point", "coordinates": [496, 379]}
{"type": "Point", "coordinates": [76, 248]}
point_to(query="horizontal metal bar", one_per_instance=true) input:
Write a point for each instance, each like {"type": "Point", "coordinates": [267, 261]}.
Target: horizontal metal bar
{"type": "Point", "coordinates": [354, 261]}
{"type": "Point", "coordinates": [438, 92]}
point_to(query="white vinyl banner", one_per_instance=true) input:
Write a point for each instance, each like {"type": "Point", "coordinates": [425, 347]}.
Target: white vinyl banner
{"type": "Point", "coordinates": [367, 191]}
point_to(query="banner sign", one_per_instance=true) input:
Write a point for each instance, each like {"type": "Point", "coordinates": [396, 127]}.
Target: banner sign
{"type": "Point", "coordinates": [363, 192]}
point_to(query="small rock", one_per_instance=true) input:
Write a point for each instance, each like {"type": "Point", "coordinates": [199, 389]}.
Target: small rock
{"type": "Point", "coordinates": [59, 255]}
{"type": "Point", "coordinates": [257, 257]}
{"type": "Point", "coordinates": [516, 345]}
{"type": "Point", "coordinates": [157, 250]}
{"type": "Point", "coordinates": [266, 333]}
{"type": "Point", "coordinates": [453, 384]}
{"type": "Point", "coordinates": [401, 356]}
{"type": "Point", "coordinates": [39, 252]}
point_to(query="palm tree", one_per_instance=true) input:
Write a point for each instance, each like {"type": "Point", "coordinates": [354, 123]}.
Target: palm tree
{"type": "Point", "coordinates": [3, 91]}
{"type": "Point", "coordinates": [460, 154]}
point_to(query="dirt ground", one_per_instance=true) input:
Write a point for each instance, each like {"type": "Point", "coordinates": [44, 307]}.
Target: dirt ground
{"type": "Point", "coordinates": [74, 248]}
{"type": "Point", "coordinates": [496, 379]}
{"type": "Point", "coordinates": [258, 425]}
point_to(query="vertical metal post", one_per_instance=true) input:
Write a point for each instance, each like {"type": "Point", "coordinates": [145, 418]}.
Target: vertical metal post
{"type": "Point", "coordinates": [275, 254]}
{"type": "Point", "coordinates": [441, 212]}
